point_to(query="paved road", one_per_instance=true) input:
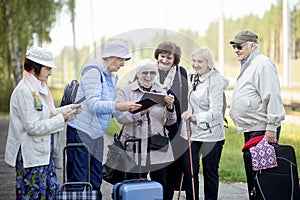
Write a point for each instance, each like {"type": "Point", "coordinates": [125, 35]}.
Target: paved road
{"type": "Point", "coordinates": [7, 174]}
{"type": "Point", "coordinates": [235, 191]}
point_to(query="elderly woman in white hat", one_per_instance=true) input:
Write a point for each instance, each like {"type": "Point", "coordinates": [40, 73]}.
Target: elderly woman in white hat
{"type": "Point", "coordinates": [98, 85]}
{"type": "Point", "coordinates": [33, 129]}
{"type": "Point", "coordinates": [148, 122]}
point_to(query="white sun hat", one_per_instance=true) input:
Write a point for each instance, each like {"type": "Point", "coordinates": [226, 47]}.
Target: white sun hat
{"type": "Point", "coordinates": [41, 56]}
{"type": "Point", "coordinates": [116, 49]}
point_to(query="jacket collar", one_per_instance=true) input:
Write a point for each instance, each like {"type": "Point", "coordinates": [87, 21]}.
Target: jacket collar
{"type": "Point", "coordinates": [249, 60]}
{"type": "Point", "coordinates": [202, 78]}
{"type": "Point", "coordinates": [155, 88]}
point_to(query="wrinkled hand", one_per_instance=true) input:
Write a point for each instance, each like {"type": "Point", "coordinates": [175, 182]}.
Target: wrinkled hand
{"type": "Point", "coordinates": [68, 114]}
{"type": "Point", "coordinates": [77, 107]}
{"type": "Point", "coordinates": [188, 115]}
{"type": "Point", "coordinates": [271, 136]}
{"type": "Point", "coordinates": [169, 99]}
{"type": "Point", "coordinates": [128, 106]}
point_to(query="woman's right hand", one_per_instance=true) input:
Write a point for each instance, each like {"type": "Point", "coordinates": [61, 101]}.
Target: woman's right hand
{"type": "Point", "coordinates": [128, 106]}
{"type": "Point", "coordinates": [77, 107]}
{"type": "Point", "coordinates": [69, 114]}
{"type": "Point", "coordinates": [188, 115]}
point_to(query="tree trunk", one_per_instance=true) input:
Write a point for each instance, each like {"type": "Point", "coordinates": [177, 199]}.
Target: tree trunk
{"type": "Point", "coordinates": [14, 51]}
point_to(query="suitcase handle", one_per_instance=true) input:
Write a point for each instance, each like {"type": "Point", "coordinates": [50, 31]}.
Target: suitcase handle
{"type": "Point", "coordinates": [139, 141]}
{"type": "Point", "coordinates": [136, 180]}
{"type": "Point", "coordinates": [75, 145]}
{"type": "Point", "coordinates": [88, 187]}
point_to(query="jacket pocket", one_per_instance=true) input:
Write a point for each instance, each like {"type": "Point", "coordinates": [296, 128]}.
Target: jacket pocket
{"type": "Point", "coordinates": [41, 144]}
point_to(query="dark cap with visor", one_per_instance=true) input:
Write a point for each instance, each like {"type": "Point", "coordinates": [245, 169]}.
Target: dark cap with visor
{"type": "Point", "coordinates": [244, 36]}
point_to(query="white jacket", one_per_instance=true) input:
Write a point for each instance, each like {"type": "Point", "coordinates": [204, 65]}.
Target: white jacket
{"type": "Point", "coordinates": [256, 101]}
{"type": "Point", "coordinates": [206, 103]}
{"type": "Point", "coordinates": [30, 129]}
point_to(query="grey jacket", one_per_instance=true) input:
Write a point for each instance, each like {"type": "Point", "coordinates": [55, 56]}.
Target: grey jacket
{"type": "Point", "coordinates": [137, 125]}
{"type": "Point", "coordinates": [256, 101]}
{"type": "Point", "coordinates": [206, 103]}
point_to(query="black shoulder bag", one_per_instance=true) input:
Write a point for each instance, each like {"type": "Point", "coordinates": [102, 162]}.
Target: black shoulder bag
{"type": "Point", "coordinates": [118, 162]}
{"type": "Point", "coordinates": [158, 142]}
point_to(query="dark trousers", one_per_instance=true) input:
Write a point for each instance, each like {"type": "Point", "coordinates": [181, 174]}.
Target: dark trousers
{"type": "Point", "coordinates": [77, 165]}
{"type": "Point", "coordinates": [251, 134]}
{"type": "Point", "coordinates": [175, 169]}
{"type": "Point", "coordinates": [211, 155]}
{"type": "Point", "coordinates": [174, 176]}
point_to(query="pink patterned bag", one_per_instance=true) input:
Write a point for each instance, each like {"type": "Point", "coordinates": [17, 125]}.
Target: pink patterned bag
{"type": "Point", "coordinates": [263, 156]}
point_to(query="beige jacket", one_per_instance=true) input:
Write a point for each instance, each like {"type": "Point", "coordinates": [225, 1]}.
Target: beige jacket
{"type": "Point", "coordinates": [137, 125]}
{"type": "Point", "coordinates": [256, 101]}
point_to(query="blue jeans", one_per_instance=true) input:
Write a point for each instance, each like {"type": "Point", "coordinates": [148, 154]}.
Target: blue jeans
{"type": "Point", "coordinates": [211, 155]}
{"type": "Point", "coordinates": [251, 134]}
{"type": "Point", "coordinates": [77, 165]}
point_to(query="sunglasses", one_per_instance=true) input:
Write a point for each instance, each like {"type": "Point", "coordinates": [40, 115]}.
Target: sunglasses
{"type": "Point", "coordinates": [238, 46]}
{"type": "Point", "coordinates": [152, 73]}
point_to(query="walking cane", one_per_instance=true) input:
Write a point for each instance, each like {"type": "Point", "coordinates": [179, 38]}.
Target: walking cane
{"type": "Point", "coordinates": [188, 129]}
{"type": "Point", "coordinates": [180, 187]}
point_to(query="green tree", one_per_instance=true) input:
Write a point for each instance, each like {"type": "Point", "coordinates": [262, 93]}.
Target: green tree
{"type": "Point", "coordinates": [272, 32]}
{"type": "Point", "coordinates": [296, 31]}
{"type": "Point", "coordinates": [71, 5]}
{"type": "Point", "coordinates": [23, 23]}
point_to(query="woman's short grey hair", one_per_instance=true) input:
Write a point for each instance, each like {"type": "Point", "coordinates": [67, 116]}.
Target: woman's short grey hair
{"type": "Point", "coordinates": [206, 54]}
{"type": "Point", "coordinates": [145, 64]}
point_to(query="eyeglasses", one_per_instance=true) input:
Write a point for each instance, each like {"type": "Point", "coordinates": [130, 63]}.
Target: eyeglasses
{"type": "Point", "coordinates": [238, 46]}
{"type": "Point", "coordinates": [152, 73]}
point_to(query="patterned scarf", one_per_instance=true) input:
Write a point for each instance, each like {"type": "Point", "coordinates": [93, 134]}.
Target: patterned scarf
{"type": "Point", "coordinates": [168, 82]}
{"type": "Point", "coordinates": [36, 87]}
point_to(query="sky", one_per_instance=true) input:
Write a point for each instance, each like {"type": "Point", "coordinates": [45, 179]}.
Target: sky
{"type": "Point", "coordinates": [96, 19]}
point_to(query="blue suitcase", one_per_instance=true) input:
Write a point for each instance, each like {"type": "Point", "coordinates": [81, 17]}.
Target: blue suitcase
{"type": "Point", "coordinates": [137, 190]}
